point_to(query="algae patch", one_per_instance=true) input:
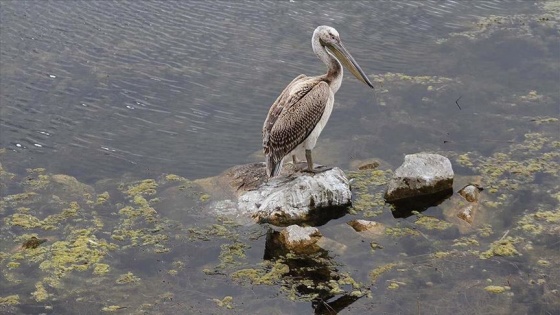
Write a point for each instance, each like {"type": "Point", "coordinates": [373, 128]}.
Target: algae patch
{"type": "Point", "coordinates": [495, 289]}
{"type": "Point", "coordinates": [145, 187]}
{"type": "Point", "coordinates": [432, 223]}
{"type": "Point", "coordinates": [40, 294]}
{"type": "Point", "coordinates": [128, 277]}
{"type": "Point", "coordinates": [9, 300]}
{"type": "Point", "coordinates": [270, 273]}
{"type": "Point", "coordinates": [101, 269]}
{"type": "Point", "coordinates": [368, 189]}
{"type": "Point", "coordinates": [377, 272]}
{"type": "Point", "coordinates": [226, 302]}
{"type": "Point", "coordinates": [503, 247]}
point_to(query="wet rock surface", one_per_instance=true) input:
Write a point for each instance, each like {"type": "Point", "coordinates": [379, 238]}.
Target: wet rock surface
{"type": "Point", "coordinates": [300, 239]}
{"type": "Point", "coordinates": [290, 198]}
{"type": "Point", "coordinates": [464, 208]}
{"type": "Point", "coordinates": [421, 174]}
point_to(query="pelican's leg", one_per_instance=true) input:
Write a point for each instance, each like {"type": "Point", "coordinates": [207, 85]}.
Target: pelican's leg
{"type": "Point", "coordinates": [309, 160]}
{"type": "Point", "coordinates": [294, 159]}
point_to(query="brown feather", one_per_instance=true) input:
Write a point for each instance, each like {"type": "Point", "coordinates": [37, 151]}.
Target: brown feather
{"type": "Point", "coordinates": [293, 116]}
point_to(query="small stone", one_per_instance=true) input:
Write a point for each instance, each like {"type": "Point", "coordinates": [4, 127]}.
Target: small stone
{"type": "Point", "coordinates": [300, 239]}
{"type": "Point", "coordinates": [420, 174]}
{"type": "Point", "coordinates": [471, 192]}
{"type": "Point", "coordinates": [365, 225]}
{"type": "Point", "coordinates": [467, 214]}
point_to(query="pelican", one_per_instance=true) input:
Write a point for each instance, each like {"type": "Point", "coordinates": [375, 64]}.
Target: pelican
{"type": "Point", "coordinates": [297, 117]}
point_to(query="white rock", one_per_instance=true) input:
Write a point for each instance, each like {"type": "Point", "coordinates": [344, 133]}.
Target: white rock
{"type": "Point", "coordinates": [293, 197]}
{"type": "Point", "coordinates": [290, 199]}
{"type": "Point", "coordinates": [420, 174]}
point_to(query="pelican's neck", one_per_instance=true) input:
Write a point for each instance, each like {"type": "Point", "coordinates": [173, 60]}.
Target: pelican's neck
{"type": "Point", "coordinates": [334, 73]}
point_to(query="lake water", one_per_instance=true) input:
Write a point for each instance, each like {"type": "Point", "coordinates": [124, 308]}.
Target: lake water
{"type": "Point", "coordinates": [106, 91]}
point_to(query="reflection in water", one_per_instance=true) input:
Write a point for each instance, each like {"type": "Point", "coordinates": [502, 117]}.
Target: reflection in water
{"type": "Point", "coordinates": [314, 276]}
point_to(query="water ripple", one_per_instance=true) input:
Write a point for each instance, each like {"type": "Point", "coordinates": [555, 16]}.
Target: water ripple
{"type": "Point", "coordinates": [106, 87]}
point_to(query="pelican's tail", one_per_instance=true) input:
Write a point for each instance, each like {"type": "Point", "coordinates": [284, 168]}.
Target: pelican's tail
{"type": "Point", "coordinates": [272, 166]}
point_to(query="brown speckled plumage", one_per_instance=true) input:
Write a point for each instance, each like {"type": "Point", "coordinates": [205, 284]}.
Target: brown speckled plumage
{"type": "Point", "coordinates": [300, 112]}
{"type": "Point", "coordinates": [293, 116]}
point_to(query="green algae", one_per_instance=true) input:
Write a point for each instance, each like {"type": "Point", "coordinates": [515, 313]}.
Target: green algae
{"type": "Point", "coordinates": [36, 179]}
{"type": "Point", "coordinates": [40, 294]}
{"type": "Point", "coordinates": [81, 251]}
{"type": "Point", "coordinates": [231, 253]}
{"type": "Point", "coordinates": [173, 177]}
{"type": "Point", "coordinates": [504, 247]}
{"type": "Point", "coordinates": [204, 197]}
{"type": "Point", "coordinates": [177, 264]}
{"type": "Point", "coordinates": [543, 262]}
{"type": "Point", "coordinates": [25, 221]}
{"type": "Point", "coordinates": [101, 269]}
{"type": "Point", "coordinates": [495, 289]}
{"type": "Point", "coordinates": [9, 300]}
{"type": "Point", "coordinates": [465, 242]}
{"type": "Point", "coordinates": [215, 230]}
{"type": "Point", "coordinates": [368, 188]}
{"type": "Point", "coordinates": [393, 286]}
{"type": "Point", "coordinates": [400, 232]}
{"type": "Point", "coordinates": [126, 278]}
{"type": "Point", "coordinates": [270, 273]}
{"type": "Point", "coordinates": [145, 187]}
{"type": "Point", "coordinates": [485, 230]}
{"type": "Point", "coordinates": [226, 302]}
{"type": "Point", "coordinates": [13, 265]}
{"type": "Point", "coordinates": [506, 172]}
{"type": "Point", "coordinates": [432, 223]}
{"type": "Point", "coordinates": [539, 221]}
{"type": "Point", "coordinates": [548, 216]}
{"type": "Point", "coordinates": [522, 24]}
{"type": "Point", "coordinates": [377, 272]}
{"type": "Point", "coordinates": [113, 308]}
{"type": "Point", "coordinates": [21, 198]}
{"type": "Point", "coordinates": [102, 198]}
{"type": "Point", "coordinates": [28, 221]}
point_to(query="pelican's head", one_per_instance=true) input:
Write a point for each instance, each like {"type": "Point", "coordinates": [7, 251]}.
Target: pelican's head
{"type": "Point", "coordinates": [329, 38]}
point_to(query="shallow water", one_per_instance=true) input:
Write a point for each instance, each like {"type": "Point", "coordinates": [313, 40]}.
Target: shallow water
{"type": "Point", "coordinates": [114, 91]}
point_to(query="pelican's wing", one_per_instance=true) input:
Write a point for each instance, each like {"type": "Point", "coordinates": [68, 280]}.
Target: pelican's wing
{"type": "Point", "coordinates": [293, 116]}
{"type": "Point", "coordinates": [278, 106]}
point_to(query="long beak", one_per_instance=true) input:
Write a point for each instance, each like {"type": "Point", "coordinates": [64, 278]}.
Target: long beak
{"type": "Point", "coordinates": [348, 61]}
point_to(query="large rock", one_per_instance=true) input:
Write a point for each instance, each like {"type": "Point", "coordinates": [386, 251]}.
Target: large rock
{"type": "Point", "coordinates": [420, 174]}
{"type": "Point", "coordinates": [293, 197]}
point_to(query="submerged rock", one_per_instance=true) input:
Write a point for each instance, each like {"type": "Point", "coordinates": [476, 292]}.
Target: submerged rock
{"type": "Point", "coordinates": [421, 174]}
{"type": "Point", "coordinates": [299, 239]}
{"type": "Point", "coordinates": [367, 228]}
{"type": "Point", "coordinates": [471, 192]}
{"type": "Point", "coordinates": [463, 209]}
{"type": "Point", "coordinates": [293, 197]}
{"type": "Point", "coordinates": [365, 225]}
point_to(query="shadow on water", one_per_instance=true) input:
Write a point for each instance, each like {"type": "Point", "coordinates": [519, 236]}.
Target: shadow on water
{"type": "Point", "coordinates": [103, 102]}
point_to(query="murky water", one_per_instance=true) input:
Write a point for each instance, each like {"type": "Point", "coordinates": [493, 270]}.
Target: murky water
{"type": "Point", "coordinates": [104, 90]}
